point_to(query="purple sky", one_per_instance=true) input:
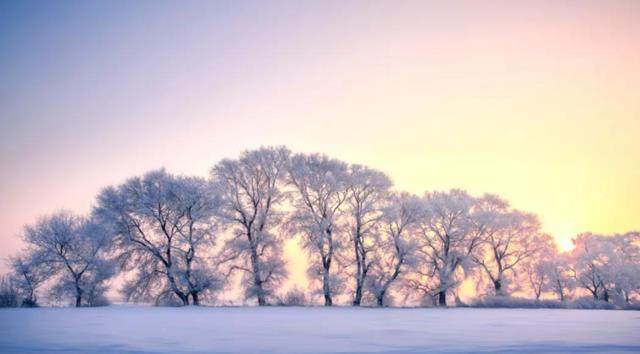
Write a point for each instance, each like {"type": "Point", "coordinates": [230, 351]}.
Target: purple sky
{"type": "Point", "coordinates": [538, 102]}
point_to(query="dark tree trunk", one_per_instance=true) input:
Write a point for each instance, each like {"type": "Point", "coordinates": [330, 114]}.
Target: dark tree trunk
{"type": "Point", "coordinates": [358, 297]}
{"type": "Point", "coordinates": [196, 300]}
{"type": "Point", "coordinates": [380, 299]}
{"type": "Point", "coordinates": [605, 296]}
{"type": "Point", "coordinates": [78, 296]}
{"type": "Point", "coordinates": [498, 286]}
{"type": "Point", "coordinates": [442, 298]}
{"type": "Point", "coordinates": [560, 291]}
{"type": "Point", "coordinates": [261, 300]}
{"type": "Point", "coordinates": [182, 296]}
{"type": "Point", "coordinates": [326, 288]}
{"type": "Point", "coordinates": [255, 268]}
{"type": "Point", "coordinates": [327, 300]}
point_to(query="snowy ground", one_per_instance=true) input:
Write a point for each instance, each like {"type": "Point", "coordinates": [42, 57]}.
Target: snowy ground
{"type": "Point", "coordinates": [140, 329]}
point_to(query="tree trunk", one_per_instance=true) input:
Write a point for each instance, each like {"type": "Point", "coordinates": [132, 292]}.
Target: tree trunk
{"type": "Point", "coordinates": [255, 268]}
{"type": "Point", "coordinates": [78, 296]}
{"type": "Point", "coordinates": [497, 284]}
{"type": "Point", "coordinates": [327, 300]}
{"type": "Point", "coordinates": [326, 288]}
{"type": "Point", "coordinates": [358, 295]}
{"type": "Point", "coordinates": [380, 298]}
{"type": "Point", "coordinates": [196, 300]}
{"type": "Point", "coordinates": [172, 282]}
{"type": "Point", "coordinates": [442, 298]}
{"type": "Point", "coordinates": [358, 298]}
{"type": "Point", "coordinates": [605, 296]}
{"type": "Point", "coordinates": [560, 291]}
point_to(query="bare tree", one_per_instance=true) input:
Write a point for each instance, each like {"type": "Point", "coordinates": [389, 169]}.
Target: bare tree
{"type": "Point", "coordinates": [320, 192]}
{"type": "Point", "coordinates": [367, 190]}
{"type": "Point", "coordinates": [251, 190]}
{"type": "Point", "coordinates": [75, 249]}
{"type": "Point", "coordinates": [397, 248]}
{"type": "Point", "coordinates": [164, 225]}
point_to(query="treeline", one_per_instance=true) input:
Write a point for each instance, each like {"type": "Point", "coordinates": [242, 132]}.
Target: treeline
{"type": "Point", "coordinates": [181, 240]}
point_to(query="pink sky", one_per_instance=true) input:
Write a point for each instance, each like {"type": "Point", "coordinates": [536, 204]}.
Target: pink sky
{"type": "Point", "coordinates": [538, 102]}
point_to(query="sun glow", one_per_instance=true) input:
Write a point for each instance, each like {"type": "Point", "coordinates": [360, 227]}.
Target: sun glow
{"type": "Point", "coordinates": [565, 244]}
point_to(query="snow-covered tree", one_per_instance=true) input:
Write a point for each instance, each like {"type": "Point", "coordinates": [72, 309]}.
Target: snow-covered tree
{"type": "Point", "coordinates": [366, 191]}
{"type": "Point", "coordinates": [397, 247]}
{"type": "Point", "coordinates": [165, 228]}
{"type": "Point", "coordinates": [539, 268]}
{"type": "Point", "coordinates": [625, 265]}
{"type": "Point", "coordinates": [75, 249]}
{"type": "Point", "coordinates": [251, 192]}
{"type": "Point", "coordinates": [591, 264]}
{"type": "Point", "coordinates": [559, 272]}
{"type": "Point", "coordinates": [448, 238]}
{"type": "Point", "coordinates": [28, 273]}
{"type": "Point", "coordinates": [320, 185]}
{"type": "Point", "coordinates": [514, 239]}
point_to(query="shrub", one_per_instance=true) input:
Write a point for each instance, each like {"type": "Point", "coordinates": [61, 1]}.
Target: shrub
{"type": "Point", "coordinates": [588, 303]}
{"type": "Point", "coordinates": [294, 297]}
{"type": "Point", "coordinates": [8, 292]}
{"type": "Point", "coordinates": [515, 302]}
{"type": "Point", "coordinates": [635, 306]}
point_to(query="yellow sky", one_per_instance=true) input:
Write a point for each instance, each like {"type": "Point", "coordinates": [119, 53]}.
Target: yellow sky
{"type": "Point", "coordinates": [538, 103]}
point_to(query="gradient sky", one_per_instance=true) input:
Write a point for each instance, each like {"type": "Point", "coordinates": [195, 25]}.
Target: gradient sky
{"type": "Point", "coordinates": [538, 102]}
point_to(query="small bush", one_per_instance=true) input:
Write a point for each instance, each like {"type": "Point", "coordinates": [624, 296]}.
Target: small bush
{"type": "Point", "coordinates": [168, 299]}
{"type": "Point", "coordinates": [515, 302]}
{"type": "Point", "coordinates": [588, 303]}
{"type": "Point", "coordinates": [294, 297]}
{"type": "Point", "coordinates": [634, 306]}
{"type": "Point", "coordinates": [29, 303]}
{"type": "Point", "coordinates": [8, 292]}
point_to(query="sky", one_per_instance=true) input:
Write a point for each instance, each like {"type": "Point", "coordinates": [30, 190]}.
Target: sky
{"type": "Point", "coordinates": [538, 102]}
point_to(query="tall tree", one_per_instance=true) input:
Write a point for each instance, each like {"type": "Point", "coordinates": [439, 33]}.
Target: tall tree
{"type": "Point", "coordinates": [449, 238]}
{"type": "Point", "coordinates": [251, 191]}
{"type": "Point", "coordinates": [516, 238]}
{"type": "Point", "coordinates": [164, 225]}
{"type": "Point", "coordinates": [367, 190]}
{"type": "Point", "coordinates": [607, 265]}
{"type": "Point", "coordinates": [559, 272]}
{"type": "Point", "coordinates": [539, 267]}
{"type": "Point", "coordinates": [320, 192]}
{"type": "Point", "coordinates": [624, 265]}
{"type": "Point", "coordinates": [396, 251]}
{"type": "Point", "coordinates": [590, 265]}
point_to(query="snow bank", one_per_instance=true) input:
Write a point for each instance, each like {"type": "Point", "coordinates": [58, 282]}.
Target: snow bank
{"type": "Point", "coordinates": [141, 329]}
